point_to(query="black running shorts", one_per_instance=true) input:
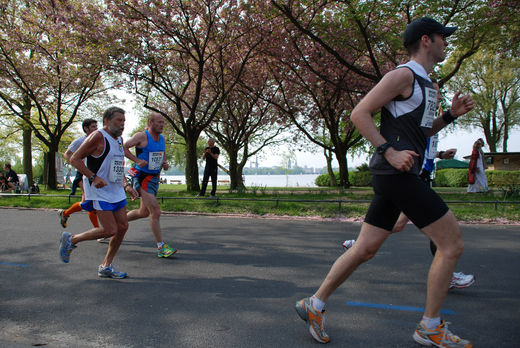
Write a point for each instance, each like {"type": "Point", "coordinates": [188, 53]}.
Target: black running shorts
{"type": "Point", "coordinates": [407, 193]}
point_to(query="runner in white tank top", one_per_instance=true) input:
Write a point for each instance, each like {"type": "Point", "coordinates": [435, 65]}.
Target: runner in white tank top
{"type": "Point", "coordinates": [105, 187]}
{"type": "Point", "coordinates": [108, 166]}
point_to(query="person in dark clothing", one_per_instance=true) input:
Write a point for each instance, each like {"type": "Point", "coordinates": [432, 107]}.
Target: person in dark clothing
{"type": "Point", "coordinates": [210, 154]}
{"type": "Point", "coordinates": [10, 174]}
{"type": "Point", "coordinates": [5, 186]}
{"type": "Point", "coordinates": [406, 99]}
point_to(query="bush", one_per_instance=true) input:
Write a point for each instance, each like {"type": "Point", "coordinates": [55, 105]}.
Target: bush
{"type": "Point", "coordinates": [459, 177]}
{"type": "Point", "coordinates": [363, 168]}
{"type": "Point", "coordinates": [451, 177]}
{"type": "Point", "coordinates": [360, 178]}
{"type": "Point", "coordinates": [357, 178]}
{"type": "Point", "coordinates": [503, 177]}
{"type": "Point", "coordinates": [323, 180]}
{"type": "Point", "coordinates": [512, 190]}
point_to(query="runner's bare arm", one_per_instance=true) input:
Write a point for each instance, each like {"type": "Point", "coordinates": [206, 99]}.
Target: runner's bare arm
{"type": "Point", "coordinates": [460, 105]}
{"type": "Point", "coordinates": [140, 140]}
{"type": "Point", "coordinates": [130, 189]}
{"type": "Point", "coordinates": [67, 155]}
{"type": "Point", "coordinates": [398, 82]}
{"type": "Point", "coordinates": [93, 145]}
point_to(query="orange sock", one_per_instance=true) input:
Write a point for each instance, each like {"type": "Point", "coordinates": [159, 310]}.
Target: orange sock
{"type": "Point", "coordinates": [73, 209]}
{"type": "Point", "coordinates": [93, 218]}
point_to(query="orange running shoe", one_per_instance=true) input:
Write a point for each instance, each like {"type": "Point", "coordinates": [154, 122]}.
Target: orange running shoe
{"type": "Point", "coordinates": [314, 319]}
{"type": "Point", "coordinates": [439, 337]}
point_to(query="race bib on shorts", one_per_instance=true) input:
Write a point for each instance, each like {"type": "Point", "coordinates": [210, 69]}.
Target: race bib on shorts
{"type": "Point", "coordinates": [430, 105]}
{"type": "Point", "coordinates": [155, 160]}
{"type": "Point", "coordinates": [117, 170]}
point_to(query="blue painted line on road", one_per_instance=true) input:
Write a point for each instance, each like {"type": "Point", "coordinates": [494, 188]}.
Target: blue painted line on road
{"type": "Point", "coordinates": [14, 264]}
{"type": "Point", "coordinates": [394, 307]}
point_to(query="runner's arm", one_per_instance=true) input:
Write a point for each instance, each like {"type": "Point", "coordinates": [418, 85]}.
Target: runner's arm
{"type": "Point", "coordinates": [398, 82]}
{"type": "Point", "coordinates": [93, 145]}
{"type": "Point", "coordinates": [140, 140]}
{"type": "Point", "coordinates": [460, 105]}
{"type": "Point", "coordinates": [67, 155]}
{"type": "Point", "coordinates": [130, 189]}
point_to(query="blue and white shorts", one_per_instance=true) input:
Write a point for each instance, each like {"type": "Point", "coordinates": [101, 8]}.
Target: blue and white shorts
{"type": "Point", "coordinates": [103, 206]}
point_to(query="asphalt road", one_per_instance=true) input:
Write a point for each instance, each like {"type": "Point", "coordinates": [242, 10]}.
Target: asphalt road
{"type": "Point", "coordinates": [234, 283]}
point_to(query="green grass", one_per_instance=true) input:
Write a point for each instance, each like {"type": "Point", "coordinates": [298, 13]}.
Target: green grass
{"type": "Point", "coordinates": [323, 202]}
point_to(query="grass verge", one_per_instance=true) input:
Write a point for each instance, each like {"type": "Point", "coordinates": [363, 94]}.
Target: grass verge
{"type": "Point", "coordinates": [321, 202]}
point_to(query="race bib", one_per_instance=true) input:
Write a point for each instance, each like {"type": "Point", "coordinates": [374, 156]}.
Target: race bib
{"type": "Point", "coordinates": [155, 160]}
{"type": "Point", "coordinates": [432, 150]}
{"type": "Point", "coordinates": [430, 105]}
{"type": "Point", "coordinates": [117, 170]}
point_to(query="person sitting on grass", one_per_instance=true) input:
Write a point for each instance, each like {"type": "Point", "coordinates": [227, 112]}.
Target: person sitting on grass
{"type": "Point", "coordinates": [6, 186]}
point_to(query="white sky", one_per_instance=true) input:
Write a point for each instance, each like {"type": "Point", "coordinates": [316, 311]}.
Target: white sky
{"type": "Point", "coordinates": [462, 140]}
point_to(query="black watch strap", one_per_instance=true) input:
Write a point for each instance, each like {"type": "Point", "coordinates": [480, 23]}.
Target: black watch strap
{"type": "Point", "coordinates": [381, 149]}
{"type": "Point", "coordinates": [92, 178]}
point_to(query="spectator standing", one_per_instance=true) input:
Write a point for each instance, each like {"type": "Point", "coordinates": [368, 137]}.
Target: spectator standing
{"type": "Point", "coordinates": [477, 180]}
{"type": "Point", "coordinates": [211, 153]}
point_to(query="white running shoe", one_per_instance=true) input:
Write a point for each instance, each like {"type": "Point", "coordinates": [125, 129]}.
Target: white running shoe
{"type": "Point", "coordinates": [461, 280]}
{"type": "Point", "coordinates": [348, 244]}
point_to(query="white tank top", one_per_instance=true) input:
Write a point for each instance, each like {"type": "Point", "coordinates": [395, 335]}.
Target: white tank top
{"type": "Point", "coordinates": [109, 166]}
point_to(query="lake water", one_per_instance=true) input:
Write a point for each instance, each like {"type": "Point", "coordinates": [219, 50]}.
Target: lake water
{"type": "Point", "coordinates": [301, 180]}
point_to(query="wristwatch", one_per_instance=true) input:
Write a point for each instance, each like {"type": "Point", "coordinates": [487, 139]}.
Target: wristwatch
{"type": "Point", "coordinates": [381, 149]}
{"type": "Point", "coordinates": [92, 178]}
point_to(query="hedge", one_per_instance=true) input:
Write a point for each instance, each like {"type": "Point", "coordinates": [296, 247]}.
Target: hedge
{"type": "Point", "coordinates": [459, 177]}
{"type": "Point", "coordinates": [443, 177]}
{"type": "Point", "coordinates": [323, 180]}
{"type": "Point", "coordinates": [360, 178]}
{"type": "Point", "coordinates": [355, 178]}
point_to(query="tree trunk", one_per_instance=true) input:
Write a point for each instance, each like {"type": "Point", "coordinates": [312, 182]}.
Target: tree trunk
{"type": "Point", "coordinates": [490, 138]}
{"type": "Point", "coordinates": [51, 169]}
{"type": "Point", "coordinates": [27, 155]}
{"type": "Point", "coordinates": [192, 168]}
{"type": "Point", "coordinates": [240, 177]}
{"type": "Point", "coordinates": [332, 177]}
{"type": "Point", "coordinates": [343, 169]}
{"type": "Point", "coordinates": [235, 172]}
{"type": "Point", "coordinates": [506, 134]}
{"type": "Point", "coordinates": [45, 174]}
{"type": "Point", "coordinates": [494, 134]}
{"type": "Point", "coordinates": [27, 141]}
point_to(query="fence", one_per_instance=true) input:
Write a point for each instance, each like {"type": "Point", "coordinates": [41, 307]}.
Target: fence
{"type": "Point", "coordinates": [339, 202]}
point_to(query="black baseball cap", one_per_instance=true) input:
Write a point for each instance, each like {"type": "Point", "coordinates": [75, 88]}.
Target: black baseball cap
{"type": "Point", "coordinates": [424, 26]}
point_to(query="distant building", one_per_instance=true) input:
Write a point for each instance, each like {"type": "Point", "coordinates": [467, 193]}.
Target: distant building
{"type": "Point", "coordinates": [501, 160]}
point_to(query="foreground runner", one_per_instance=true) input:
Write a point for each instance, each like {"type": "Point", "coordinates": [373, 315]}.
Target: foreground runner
{"type": "Point", "coordinates": [104, 189]}
{"type": "Point", "coordinates": [150, 146]}
{"type": "Point", "coordinates": [407, 101]}
{"type": "Point", "coordinates": [89, 126]}
{"type": "Point", "coordinates": [459, 280]}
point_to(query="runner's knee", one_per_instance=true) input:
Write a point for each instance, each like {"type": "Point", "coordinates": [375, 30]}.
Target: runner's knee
{"type": "Point", "coordinates": [122, 226]}
{"type": "Point", "coordinates": [363, 253]}
{"type": "Point", "coordinates": [452, 249]}
{"type": "Point", "coordinates": [144, 212]}
{"type": "Point", "coordinates": [155, 211]}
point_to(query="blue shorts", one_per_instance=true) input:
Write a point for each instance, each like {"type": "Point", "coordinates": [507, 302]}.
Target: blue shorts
{"type": "Point", "coordinates": [103, 206]}
{"type": "Point", "coordinates": [148, 182]}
